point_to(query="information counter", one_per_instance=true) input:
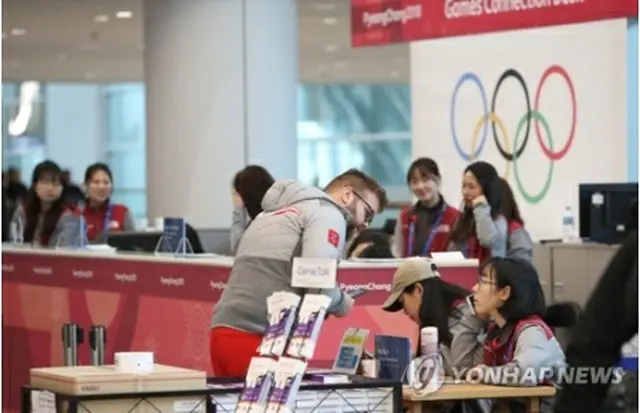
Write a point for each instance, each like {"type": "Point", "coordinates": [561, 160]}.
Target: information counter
{"type": "Point", "coordinates": [155, 303]}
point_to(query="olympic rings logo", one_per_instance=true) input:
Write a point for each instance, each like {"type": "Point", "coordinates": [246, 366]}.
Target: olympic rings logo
{"type": "Point", "coordinates": [523, 130]}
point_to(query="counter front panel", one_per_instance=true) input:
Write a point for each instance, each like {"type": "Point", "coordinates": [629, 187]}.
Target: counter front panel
{"type": "Point", "coordinates": [154, 304]}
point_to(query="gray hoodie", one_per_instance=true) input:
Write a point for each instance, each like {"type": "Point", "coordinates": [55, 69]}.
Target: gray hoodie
{"type": "Point", "coordinates": [298, 221]}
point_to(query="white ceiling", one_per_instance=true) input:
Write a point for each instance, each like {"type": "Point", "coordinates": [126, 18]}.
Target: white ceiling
{"type": "Point", "coordinates": [62, 41]}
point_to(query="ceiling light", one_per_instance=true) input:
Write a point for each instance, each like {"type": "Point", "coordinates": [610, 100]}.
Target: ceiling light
{"type": "Point", "coordinates": [18, 32]}
{"type": "Point", "coordinates": [330, 48]}
{"type": "Point", "coordinates": [124, 14]}
{"type": "Point", "coordinates": [330, 21]}
{"type": "Point", "coordinates": [101, 18]}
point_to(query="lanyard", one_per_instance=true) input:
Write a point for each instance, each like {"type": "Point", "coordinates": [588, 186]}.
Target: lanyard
{"type": "Point", "coordinates": [107, 219]}
{"type": "Point", "coordinates": [430, 238]}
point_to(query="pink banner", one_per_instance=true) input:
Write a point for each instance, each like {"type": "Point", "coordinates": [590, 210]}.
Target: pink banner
{"type": "Point", "coordinates": [379, 22]}
{"type": "Point", "coordinates": [150, 305]}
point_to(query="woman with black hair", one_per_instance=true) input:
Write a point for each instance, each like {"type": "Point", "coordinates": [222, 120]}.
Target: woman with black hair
{"type": "Point", "coordinates": [482, 231]}
{"type": "Point", "coordinates": [424, 227]}
{"type": "Point", "coordinates": [517, 348]}
{"type": "Point", "coordinates": [430, 302]}
{"type": "Point", "coordinates": [101, 214]}
{"type": "Point", "coordinates": [41, 216]}
{"type": "Point", "coordinates": [519, 242]}
{"type": "Point", "coordinates": [249, 187]}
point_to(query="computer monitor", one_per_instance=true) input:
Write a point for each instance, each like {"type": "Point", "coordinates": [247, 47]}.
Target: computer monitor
{"type": "Point", "coordinates": [135, 241]}
{"type": "Point", "coordinates": [607, 211]}
{"type": "Point", "coordinates": [143, 241]}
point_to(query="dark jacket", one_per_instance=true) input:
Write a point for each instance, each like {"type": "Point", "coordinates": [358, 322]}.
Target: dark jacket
{"type": "Point", "coordinates": [610, 319]}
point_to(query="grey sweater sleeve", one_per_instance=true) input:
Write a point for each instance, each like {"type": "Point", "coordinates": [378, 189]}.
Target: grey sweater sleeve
{"type": "Point", "coordinates": [239, 222]}
{"type": "Point", "coordinates": [323, 236]}
{"type": "Point", "coordinates": [467, 349]}
{"type": "Point", "coordinates": [491, 233]}
{"type": "Point", "coordinates": [520, 245]}
{"type": "Point", "coordinates": [129, 221]}
{"type": "Point", "coordinates": [398, 240]}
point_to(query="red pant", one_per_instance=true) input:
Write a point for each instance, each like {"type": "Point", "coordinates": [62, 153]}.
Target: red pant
{"type": "Point", "coordinates": [231, 351]}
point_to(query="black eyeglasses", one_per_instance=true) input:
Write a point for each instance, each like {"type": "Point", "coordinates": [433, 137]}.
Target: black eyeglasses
{"type": "Point", "coordinates": [481, 280]}
{"type": "Point", "coordinates": [369, 211]}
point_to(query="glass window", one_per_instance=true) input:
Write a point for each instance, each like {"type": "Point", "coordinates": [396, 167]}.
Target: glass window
{"type": "Point", "coordinates": [23, 125]}
{"type": "Point", "coordinates": [126, 144]}
{"type": "Point", "coordinates": [361, 126]}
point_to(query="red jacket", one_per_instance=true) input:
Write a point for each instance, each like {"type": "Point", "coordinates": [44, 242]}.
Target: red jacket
{"type": "Point", "coordinates": [440, 241]}
{"type": "Point", "coordinates": [499, 352]}
{"type": "Point", "coordinates": [96, 219]}
{"type": "Point", "coordinates": [483, 253]}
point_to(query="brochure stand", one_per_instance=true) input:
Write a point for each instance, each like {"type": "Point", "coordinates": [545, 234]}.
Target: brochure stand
{"type": "Point", "coordinates": [76, 225]}
{"type": "Point", "coordinates": [164, 247]}
{"type": "Point", "coordinates": [174, 238]}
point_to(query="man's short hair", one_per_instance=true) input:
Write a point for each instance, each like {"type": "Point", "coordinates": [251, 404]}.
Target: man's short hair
{"type": "Point", "coordinates": [360, 182]}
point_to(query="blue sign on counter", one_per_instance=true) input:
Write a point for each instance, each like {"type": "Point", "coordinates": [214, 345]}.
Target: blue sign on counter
{"type": "Point", "coordinates": [175, 235]}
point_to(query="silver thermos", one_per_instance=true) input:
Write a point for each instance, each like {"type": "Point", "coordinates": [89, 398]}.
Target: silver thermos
{"type": "Point", "coordinates": [72, 337]}
{"type": "Point", "coordinates": [97, 341]}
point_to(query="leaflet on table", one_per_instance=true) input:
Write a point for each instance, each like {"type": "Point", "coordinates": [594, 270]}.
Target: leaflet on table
{"type": "Point", "coordinates": [310, 318]}
{"type": "Point", "coordinates": [314, 273]}
{"type": "Point", "coordinates": [288, 376]}
{"type": "Point", "coordinates": [258, 385]}
{"type": "Point", "coordinates": [350, 350]}
{"type": "Point", "coordinates": [393, 356]}
{"type": "Point", "coordinates": [281, 308]}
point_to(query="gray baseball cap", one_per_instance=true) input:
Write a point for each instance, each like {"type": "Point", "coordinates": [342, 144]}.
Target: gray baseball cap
{"type": "Point", "coordinates": [411, 271]}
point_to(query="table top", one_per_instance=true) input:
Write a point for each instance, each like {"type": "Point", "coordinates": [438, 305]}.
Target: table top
{"type": "Point", "coordinates": [205, 259]}
{"type": "Point", "coordinates": [465, 391]}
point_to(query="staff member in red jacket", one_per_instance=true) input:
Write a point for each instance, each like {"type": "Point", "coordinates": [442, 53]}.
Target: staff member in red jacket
{"type": "Point", "coordinates": [103, 216]}
{"type": "Point", "coordinates": [424, 227]}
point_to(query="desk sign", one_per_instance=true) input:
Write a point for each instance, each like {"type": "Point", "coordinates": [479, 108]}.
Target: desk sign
{"type": "Point", "coordinates": [350, 351]}
{"type": "Point", "coordinates": [174, 235]}
{"type": "Point", "coordinates": [314, 273]}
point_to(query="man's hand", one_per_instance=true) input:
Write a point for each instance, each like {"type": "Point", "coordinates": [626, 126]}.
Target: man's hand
{"type": "Point", "coordinates": [348, 303]}
{"type": "Point", "coordinates": [236, 199]}
{"type": "Point", "coordinates": [479, 200]}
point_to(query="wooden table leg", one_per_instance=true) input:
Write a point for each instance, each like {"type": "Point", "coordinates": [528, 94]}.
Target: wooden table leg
{"type": "Point", "coordinates": [533, 405]}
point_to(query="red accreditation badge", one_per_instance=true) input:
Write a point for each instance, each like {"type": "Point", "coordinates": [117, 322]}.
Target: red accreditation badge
{"type": "Point", "coordinates": [333, 237]}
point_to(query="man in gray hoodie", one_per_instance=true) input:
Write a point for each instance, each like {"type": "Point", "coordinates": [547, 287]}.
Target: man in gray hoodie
{"type": "Point", "coordinates": [297, 221]}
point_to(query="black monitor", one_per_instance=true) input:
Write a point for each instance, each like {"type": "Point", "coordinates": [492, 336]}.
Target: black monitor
{"type": "Point", "coordinates": [608, 211]}
{"type": "Point", "coordinates": [142, 241]}
{"type": "Point", "coordinates": [135, 241]}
